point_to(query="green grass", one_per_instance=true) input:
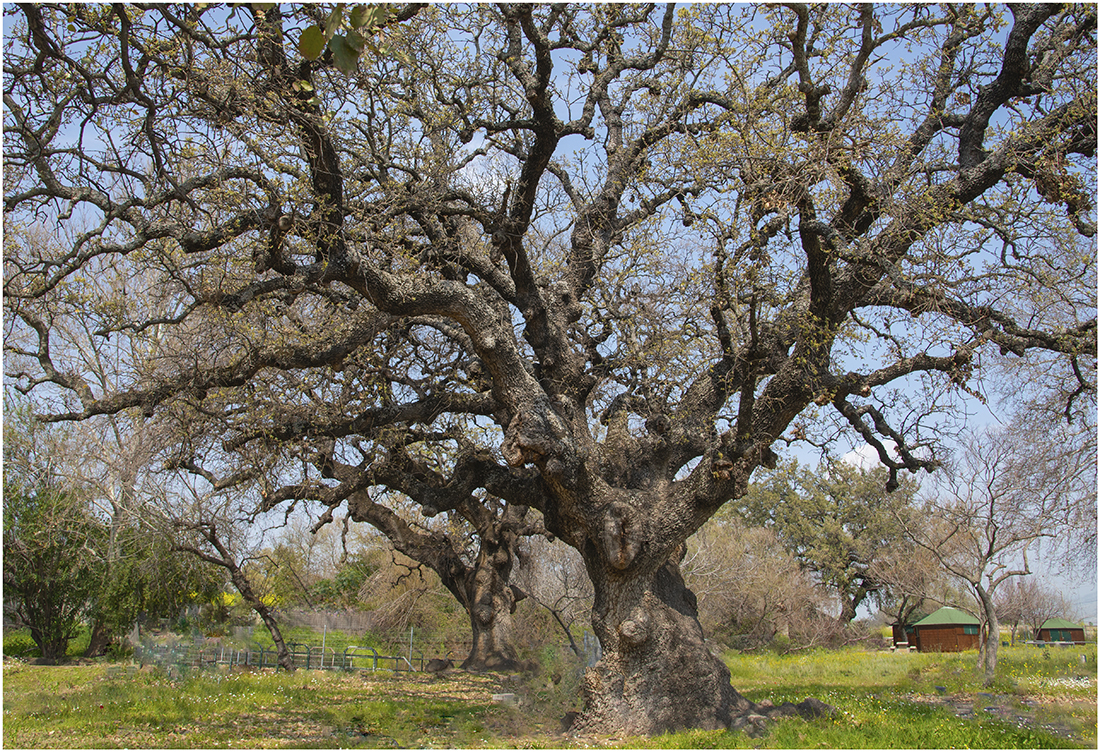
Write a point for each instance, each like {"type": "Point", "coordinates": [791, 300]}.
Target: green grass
{"type": "Point", "coordinates": [872, 723]}
{"type": "Point", "coordinates": [83, 706]}
{"type": "Point", "coordinates": [332, 639]}
{"type": "Point", "coordinates": [895, 700]}
{"type": "Point", "coordinates": [18, 643]}
{"type": "Point", "coordinates": [885, 700]}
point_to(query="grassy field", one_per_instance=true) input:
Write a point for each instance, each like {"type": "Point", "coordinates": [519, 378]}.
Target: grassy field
{"type": "Point", "coordinates": [1042, 699]}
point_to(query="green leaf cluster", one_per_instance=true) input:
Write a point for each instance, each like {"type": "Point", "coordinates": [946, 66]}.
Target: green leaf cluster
{"type": "Point", "coordinates": [346, 34]}
{"type": "Point", "coordinates": [343, 589]}
{"type": "Point", "coordinates": [836, 519]}
{"type": "Point", "coordinates": [148, 580]}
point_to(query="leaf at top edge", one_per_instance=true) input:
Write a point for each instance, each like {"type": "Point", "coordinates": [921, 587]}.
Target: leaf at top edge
{"type": "Point", "coordinates": [359, 15]}
{"type": "Point", "coordinates": [332, 25]}
{"type": "Point", "coordinates": [371, 16]}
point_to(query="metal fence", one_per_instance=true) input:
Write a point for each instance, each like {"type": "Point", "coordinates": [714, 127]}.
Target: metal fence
{"type": "Point", "coordinates": [181, 656]}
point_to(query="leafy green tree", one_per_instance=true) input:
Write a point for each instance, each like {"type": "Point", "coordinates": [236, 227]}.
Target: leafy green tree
{"type": "Point", "coordinates": [836, 519]}
{"type": "Point", "coordinates": [52, 540]}
{"type": "Point", "coordinates": [277, 572]}
{"type": "Point", "coordinates": [343, 589]}
{"type": "Point", "coordinates": [111, 461]}
{"type": "Point", "coordinates": [598, 260]}
{"type": "Point", "coordinates": [149, 580]}
{"type": "Point", "coordinates": [52, 565]}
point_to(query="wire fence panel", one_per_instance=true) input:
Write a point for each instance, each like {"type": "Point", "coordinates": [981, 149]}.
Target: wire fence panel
{"type": "Point", "coordinates": [183, 656]}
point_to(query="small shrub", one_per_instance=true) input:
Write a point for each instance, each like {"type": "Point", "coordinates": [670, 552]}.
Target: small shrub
{"type": "Point", "coordinates": [18, 644]}
{"type": "Point", "coordinates": [118, 651]}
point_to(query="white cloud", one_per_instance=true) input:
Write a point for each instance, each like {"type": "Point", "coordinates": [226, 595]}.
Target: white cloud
{"type": "Point", "coordinates": [866, 456]}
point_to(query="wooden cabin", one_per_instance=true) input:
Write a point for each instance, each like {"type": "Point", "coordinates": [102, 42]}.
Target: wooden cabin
{"type": "Point", "coordinates": [1060, 630]}
{"type": "Point", "coordinates": [948, 630]}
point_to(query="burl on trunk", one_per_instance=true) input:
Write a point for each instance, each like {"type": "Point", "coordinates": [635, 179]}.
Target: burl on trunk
{"type": "Point", "coordinates": [657, 673]}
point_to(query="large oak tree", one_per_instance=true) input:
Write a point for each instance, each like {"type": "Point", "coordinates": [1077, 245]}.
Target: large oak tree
{"type": "Point", "coordinates": [601, 261]}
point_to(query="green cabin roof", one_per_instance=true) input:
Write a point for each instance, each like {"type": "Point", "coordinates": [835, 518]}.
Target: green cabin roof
{"type": "Point", "coordinates": [1059, 624]}
{"type": "Point", "coordinates": [947, 615]}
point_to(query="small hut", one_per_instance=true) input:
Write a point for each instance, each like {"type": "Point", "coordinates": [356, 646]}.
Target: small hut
{"type": "Point", "coordinates": [1060, 630]}
{"type": "Point", "coordinates": [948, 630]}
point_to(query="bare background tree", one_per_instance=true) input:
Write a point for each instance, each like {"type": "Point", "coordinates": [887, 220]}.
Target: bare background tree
{"type": "Point", "coordinates": [1003, 497]}
{"type": "Point", "coordinates": [751, 590]}
{"type": "Point", "coordinates": [914, 583]}
{"type": "Point", "coordinates": [1026, 602]}
{"type": "Point", "coordinates": [552, 574]}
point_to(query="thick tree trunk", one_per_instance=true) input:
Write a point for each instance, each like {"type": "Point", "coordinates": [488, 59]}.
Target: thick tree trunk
{"type": "Point", "coordinates": [490, 602]}
{"type": "Point", "coordinates": [850, 605]}
{"type": "Point", "coordinates": [53, 647]}
{"type": "Point", "coordinates": [657, 674]}
{"type": "Point", "coordinates": [482, 588]}
{"type": "Point", "coordinates": [493, 635]}
{"type": "Point", "coordinates": [847, 612]}
{"type": "Point", "coordinates": [99, 640]}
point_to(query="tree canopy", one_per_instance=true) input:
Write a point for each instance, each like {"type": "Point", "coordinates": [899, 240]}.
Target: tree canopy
{"type": "Point", "coordinates": [599, 261]}
{"type": "Point", "coordinates": [52, 564]}
{"type": "Point", "coordinates": [837, 520]}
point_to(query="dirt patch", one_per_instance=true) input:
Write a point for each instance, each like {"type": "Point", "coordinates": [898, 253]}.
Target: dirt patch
{"type": "Point", "coordinates": [1019, 710]}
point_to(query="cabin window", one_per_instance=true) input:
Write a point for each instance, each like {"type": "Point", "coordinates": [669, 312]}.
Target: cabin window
{"type": "Point", "coordinates": [967, 629]}
{"type": "Point", "coordinates": [1060, 635]}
